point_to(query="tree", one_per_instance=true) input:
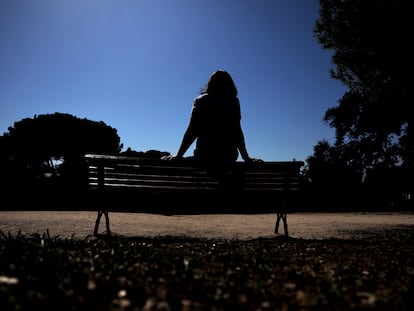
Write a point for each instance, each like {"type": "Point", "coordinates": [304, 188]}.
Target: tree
{"type": "Point", "coordinates": [31, 146]}
{"type": "Point", "coordinates": [331, 178]}
{"type": "Point", "coordinates": [373, 52]}
{"type": "Point", "coordinates": [149, 154]}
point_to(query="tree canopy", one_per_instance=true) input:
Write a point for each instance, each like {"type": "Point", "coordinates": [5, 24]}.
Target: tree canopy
{"type": "Point", "coordinates": [371, 40]}
{"type": "Point", "coordinates": [33, 142]}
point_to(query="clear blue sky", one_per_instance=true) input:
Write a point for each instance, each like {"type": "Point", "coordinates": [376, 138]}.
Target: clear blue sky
{"type": "Point", "coordinates": [138, 64]}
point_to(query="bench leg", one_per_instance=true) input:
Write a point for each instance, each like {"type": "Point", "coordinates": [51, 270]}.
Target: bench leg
{"type": "Point", "coordinates": [108, 231]}
{"type": "Point", "coordinates": [282, 216]}
{"type": "Point", "coordinates": [98, 220]}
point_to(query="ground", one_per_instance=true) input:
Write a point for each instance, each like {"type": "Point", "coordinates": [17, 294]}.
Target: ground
{"type": "Point", "coordinates": [228, 226]}
{"type": "Point", "coordinates": [341, 261]}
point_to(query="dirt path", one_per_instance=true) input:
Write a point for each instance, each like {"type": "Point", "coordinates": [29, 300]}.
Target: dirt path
{"type": "Point", "coordinates": [79, 224]}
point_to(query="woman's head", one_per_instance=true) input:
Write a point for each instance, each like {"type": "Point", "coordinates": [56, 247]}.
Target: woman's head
{"type": "Point", "coordinates": [221, 82]}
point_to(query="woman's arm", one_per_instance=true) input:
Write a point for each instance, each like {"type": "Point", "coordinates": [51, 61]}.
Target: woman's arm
{"type": "Point", "coordinates": [188, 138]}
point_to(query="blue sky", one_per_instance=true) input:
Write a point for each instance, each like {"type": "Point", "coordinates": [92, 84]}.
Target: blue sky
{"type": "Point", "coordinates": [138, 64]}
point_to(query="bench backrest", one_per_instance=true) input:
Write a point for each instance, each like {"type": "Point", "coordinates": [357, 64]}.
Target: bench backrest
{"type": "Point", "coordinates": [154, 175]}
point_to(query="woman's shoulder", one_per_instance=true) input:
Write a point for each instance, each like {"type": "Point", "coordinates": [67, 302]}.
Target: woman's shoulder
{"type": "Point", "coordinates": [201, 99]}
{"type": "Point", "coordinates": [205, 98]}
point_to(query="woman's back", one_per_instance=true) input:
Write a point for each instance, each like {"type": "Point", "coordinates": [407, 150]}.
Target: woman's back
{"type": "Point", "coordinates": [216, 121]}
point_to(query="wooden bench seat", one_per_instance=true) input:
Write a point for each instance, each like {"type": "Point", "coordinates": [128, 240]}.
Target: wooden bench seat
{"type": "Point", "coordinates": [119, 183]}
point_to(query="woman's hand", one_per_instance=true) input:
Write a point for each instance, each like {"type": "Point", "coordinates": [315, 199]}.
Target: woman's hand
{"type": "Point", "coordinates": [257, 160]}
{"type": "Point", "coordinates": [253, 160]}
{"type": "Point", "coordinates": [169, 157]}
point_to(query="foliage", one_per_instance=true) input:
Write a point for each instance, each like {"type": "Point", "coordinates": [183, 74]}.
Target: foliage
{"type": "Point", "coordinates": [330, 165]}
{"type": "Point", "coordinates": [330, 177]}
{"type": "Point", "coordinates": [373, 58]}
{"type": "Point", "coordinates": [374, 122]}
{"type": "Point", "coordinates": [58, 135]}
{"type": "Point", "coordinates": [149, 154]}
{"type": "Point", "coordinates": [33, 145]}
{"type": "Point", "coordinates": [334, 181]}
{"type": "Point", "coordinates": [172, 273]}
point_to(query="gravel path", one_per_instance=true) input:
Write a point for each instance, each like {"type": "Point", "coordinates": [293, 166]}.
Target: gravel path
{"type": "Point", "coordinates": [79, 224]}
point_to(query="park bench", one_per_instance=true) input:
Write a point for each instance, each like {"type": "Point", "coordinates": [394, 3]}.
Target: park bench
{"type": "Point", "coordinates": [132, 184]}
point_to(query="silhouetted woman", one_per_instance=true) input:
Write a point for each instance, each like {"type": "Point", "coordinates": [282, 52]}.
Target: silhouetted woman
{"type": "Point", "coordinates": [215, 125]}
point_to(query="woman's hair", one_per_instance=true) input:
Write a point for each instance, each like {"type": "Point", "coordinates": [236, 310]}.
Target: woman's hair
{"type": "Point", "coordinates": [221, 82]}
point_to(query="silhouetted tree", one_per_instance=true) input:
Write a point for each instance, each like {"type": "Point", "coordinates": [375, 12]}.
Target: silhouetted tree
{"type": "Point", "coordinates": [149, 154]}
{"type": "Point", "coordinates": [31, 147]}
{"type": "Point", "coordinates": [330, 177]}
{"type": "Point", "coordinates": [373, 57]}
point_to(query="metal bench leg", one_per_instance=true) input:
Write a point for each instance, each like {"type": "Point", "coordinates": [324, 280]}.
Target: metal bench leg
{"type": "Point", "coordinates": [282, 216]}
{"type": "Point", "coordinates": [98, 220]}
{"type": "Point", "coordinates": [285, 225]}
{"type": "Point", "coordinates": [108, 231]}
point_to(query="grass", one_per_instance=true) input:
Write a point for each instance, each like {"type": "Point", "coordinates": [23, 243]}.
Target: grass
{"type": "Point", "coordinates": [40, 272]}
